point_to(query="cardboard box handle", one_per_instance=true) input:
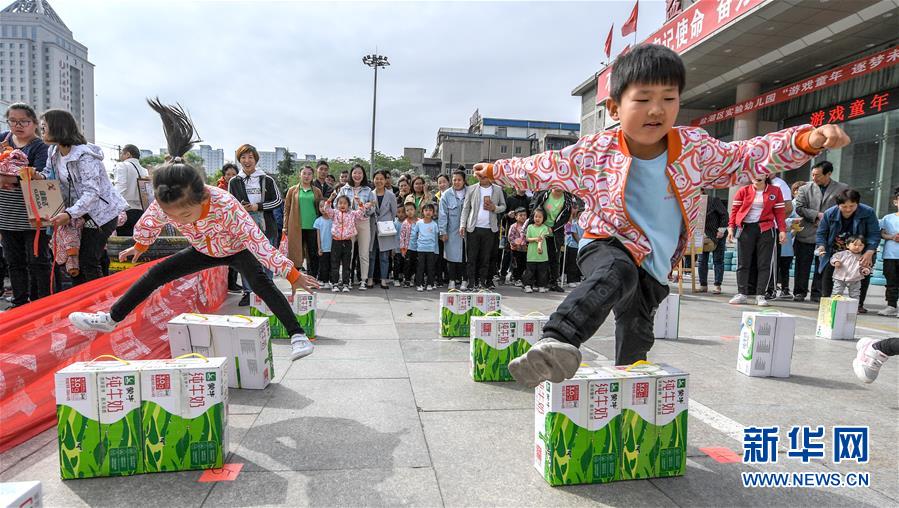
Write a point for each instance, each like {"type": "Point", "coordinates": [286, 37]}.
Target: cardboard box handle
{"type": "Point", "coordinates": [188, 355]}
{"type": "Point", "coordinates": [241, 316]}
{"type": "Point", "coordinates": [108, 356]}
{"type": "Point", "coordinates": [202, 317]}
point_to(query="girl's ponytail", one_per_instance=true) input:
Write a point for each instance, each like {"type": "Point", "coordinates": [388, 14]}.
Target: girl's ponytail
{"type": "Point", "coordinates": [176, 180]}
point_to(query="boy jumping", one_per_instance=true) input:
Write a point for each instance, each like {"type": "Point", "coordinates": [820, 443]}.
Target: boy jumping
{"type": "Point", "coordinates": [641, 185]}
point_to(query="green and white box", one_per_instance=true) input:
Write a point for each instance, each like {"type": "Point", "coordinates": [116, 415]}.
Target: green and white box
{"type": "Point", "coordinates": [245, 342]}
{"type": "Point", "coordinates": [303, 306]}
{"type": "Point", "coordinates": [497, 340]}
{"type": "Point", "coordinates": [639, 434]}
{"type": "Point", "coordinates": [667, 318]}
{"type": "Point", "coordinates": [766, 344]}
{"type": "Point", "coordinates": [20, 494]}
{"type": "Point", "coordinates": [577, 435]}
{"type": "Point", "coordinates": [457, 309]}
{"type": "Point", "coordinates": [98, 419]}
{"type": "Point", "coordinates": [192, 333]}
{"type": "Point", "coordinates": [184, 414]}
{"type": "Point", "coordinates": [836, 318]}
{"type": "Point", "coordinates": [672, 402]}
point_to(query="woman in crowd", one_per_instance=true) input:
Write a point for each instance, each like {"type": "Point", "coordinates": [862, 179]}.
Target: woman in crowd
{"type": "Point", "coordinates": [229, 171]}
{"type": "Point", "coordinates": [443, 183]}
{"type": "Point", "coordinates": [420, 194]}
{"type": "Point", "coordinates": [382, 245]}
{"type": "Point", "coordinates": [756, 216]}
{"type": "Point", "coordinates": [404, 190]}
{"type": "Point", "coordinates": [300, 211]}
{"type": "Point", "coordinates": [29, 274]}
{"type": "Point", "coordinates": [557, 206]}
{"type": "Point", "coordinates": [359, 193]}
{"type": "Point", "coordinates": [86, 189]}
{"type": "Point", "coordinates": [449, 223]}
{"type": "Point", "coordinates": [715, 226]}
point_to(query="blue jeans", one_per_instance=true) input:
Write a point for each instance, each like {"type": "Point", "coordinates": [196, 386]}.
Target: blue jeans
{"type": "Point", "coordinates": [717, 262]}
{"type": "Point", "coordinates": [382, 257]}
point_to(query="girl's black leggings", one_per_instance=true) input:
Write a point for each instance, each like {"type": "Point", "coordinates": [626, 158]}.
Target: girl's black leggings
{"type": "Point", "coordinates": [190, 261]}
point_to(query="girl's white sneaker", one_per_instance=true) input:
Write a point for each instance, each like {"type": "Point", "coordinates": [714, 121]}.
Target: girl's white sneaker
{"type": "Point", "coordinates": [93, 321]}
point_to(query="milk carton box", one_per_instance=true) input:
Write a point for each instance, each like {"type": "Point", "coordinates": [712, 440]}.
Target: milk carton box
{"type": "Point", "coordinates": [184, 414]}
{"type": "Point", "coordinates": [192, 333]}
{"type": "Point", "coordinates": [766, 344]}
{"type": "Point", "coordinates": [577, 435]}
{"type": "Point", "coordinates": [836, 318]}
{"type": "Point", "coordinates": [639, 434]}
{"type": "Point", "coordinates": [457, 309]}
{"type": "Point", "coordinates": [98, 419]}
{"type": "Point", "coordinates": [497, 340]}
{"type": "Point", "coordinates": [244, 341]}
{"type": "Point", "coordinates": [303, 306]}
{"type": "Point", "coordinates": [667, 318]}
{"type": "Point", "coordinates": [20, 494]}
{"type": "Point", "coordinates": [119, 398]}
{"type": "Point", "coordinates": [672, 401]}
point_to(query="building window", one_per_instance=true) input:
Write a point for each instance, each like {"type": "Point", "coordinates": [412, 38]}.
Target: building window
{"type": "Point", "coordinates": [517, 150]}
{"type": "Point", "coordinates": [501, 131]}
{"type": "Point", "coordinates": [503, 149]}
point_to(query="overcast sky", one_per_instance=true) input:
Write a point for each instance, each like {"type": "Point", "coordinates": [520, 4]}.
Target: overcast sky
{"type": "Point", "coordinates": [291, 74]}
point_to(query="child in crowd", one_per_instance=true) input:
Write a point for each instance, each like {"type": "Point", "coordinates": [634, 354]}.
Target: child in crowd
{"type": "Point", "coordinates": [889, 231]}
{"type": "Point", "coordinates": [398, 272]}
{"type": "Point", "coordinates": [641, 185]}
{"type": "Point", "coordinates": [219, 230]}
{"type": "Point", "coordinates": [871, 355]}
{"type": "Point", "coordinates": [573, 234]}
{"type": "Point", "coordinates": [425, 235]}
{"type": "Point", "coordinates": [323, 227]}
{"type": "Point", "coordinates": [847, 270]}
{"type": "Point", "coordinates": [518, 243]}
{"type": "Point", "coordinates": [343, 229]}
{"type": "Point", "coordinates": [407, 246]}
{"type": "Point", "coordinates": [538, 255]}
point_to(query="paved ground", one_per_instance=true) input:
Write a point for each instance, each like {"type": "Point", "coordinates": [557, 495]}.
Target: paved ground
{"type": "Point", "coordinates": [384, 413]}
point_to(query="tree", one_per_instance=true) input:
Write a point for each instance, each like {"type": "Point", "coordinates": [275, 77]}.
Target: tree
{"type": "Point", "coordinates": [196, 161]}
{"type": "Point", "coordinates": [151, 161]}
{"type": "Point", "coordinates": [286, 168]}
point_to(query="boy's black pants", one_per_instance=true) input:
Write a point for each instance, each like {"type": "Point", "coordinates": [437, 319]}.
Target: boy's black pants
{"type": "Point", "coordinates": [341, 256]}
{"type": "Point", "coordinates": [612, 283]}
{"type": "Point", "coordinates": [427, 264]}
{"type": "Point", "coordinates": [190, 261]}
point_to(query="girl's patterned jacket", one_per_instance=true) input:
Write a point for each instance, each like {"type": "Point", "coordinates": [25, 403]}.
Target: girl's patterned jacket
{"type": "Point", "coordinates": [343, 225]}
{"type": "Point", "coordinates": [596, 168]}
{"type": "Point", "coordinates": [223, 229]}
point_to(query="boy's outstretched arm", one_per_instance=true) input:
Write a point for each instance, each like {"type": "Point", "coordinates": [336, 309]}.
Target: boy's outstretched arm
{"type": "Point", "coordinates": [554, 168]}
{"type": "Point", "coordinates": [727, 164]}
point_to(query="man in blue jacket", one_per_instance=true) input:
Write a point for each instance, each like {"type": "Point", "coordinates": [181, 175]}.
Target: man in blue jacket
{"type": "Point", "coordinates": [847, 218]}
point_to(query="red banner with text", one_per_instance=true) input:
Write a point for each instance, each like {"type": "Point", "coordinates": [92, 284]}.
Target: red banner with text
{"type": "Point", "coordinates": [687, 29]}
{"type": "Point", "coordinates": [36, 340]}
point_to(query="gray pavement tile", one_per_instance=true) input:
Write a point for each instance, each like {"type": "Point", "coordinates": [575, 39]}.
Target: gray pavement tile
{"type": "Point", "coordinates": [355, 314]}
{"type": "Point", "coordinates": [336, 424]}
{"type": "Point", "coordinates": [419, 331]}
{"type": "Point", "coordinates": [14, 456]}
{"type": "Point", "coordinates": [353, 487]}
{"type": "Point", "coordinates": [327, 348]}
{"type": "Point", "coordinates": [162, 489]}
{"type": "Point", "coordinates": [473, 469]}
{"type": "Point", "coordinates": [248, 402]}
{"type": "Point", "coordinates": [447, 386]}
{"type": "Point", "coordinates": [436, 350]}
{"type": "Point", "coordinates": [370, 368]}
{"type": "Point", "coordinates": [381, 331]}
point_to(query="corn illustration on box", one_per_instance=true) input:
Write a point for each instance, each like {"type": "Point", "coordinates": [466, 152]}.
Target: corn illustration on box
{"type": "Point", "coordinates": [117, 418]}
{"type": "Point", "coordinates": [457, 309]}
{"type": "Point", "coordinates": [612, 423]}
{"type": "Point", "coordinates": [497, 340]}
{"type": "Point", "coordinates": [303, 306]}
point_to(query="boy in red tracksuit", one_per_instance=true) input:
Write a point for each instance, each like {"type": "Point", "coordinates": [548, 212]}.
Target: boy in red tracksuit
{"type": "Point", "coordinates": [758, 213]}
{"type": "Point", "coordinates": [641, 184]}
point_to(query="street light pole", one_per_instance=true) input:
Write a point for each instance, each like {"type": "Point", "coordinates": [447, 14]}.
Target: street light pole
{"type": "Point", "coordinates": [374, 61]}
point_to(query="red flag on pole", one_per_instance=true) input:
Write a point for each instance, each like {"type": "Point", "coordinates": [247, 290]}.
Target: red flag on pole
{"type": "Point", "coordinates": [630, 26]}
{"type": "Point", "coordinates": [609, 41]}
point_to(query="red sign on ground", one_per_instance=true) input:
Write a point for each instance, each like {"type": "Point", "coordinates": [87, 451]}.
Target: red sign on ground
{"type": "Point", "coordinates": [858, 68]}
{"type": "Point", "coordinates": [687, 29]}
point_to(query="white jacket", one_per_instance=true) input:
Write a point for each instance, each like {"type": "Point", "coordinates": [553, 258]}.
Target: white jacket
{"type": "Point", "coordinates": [125, 176]}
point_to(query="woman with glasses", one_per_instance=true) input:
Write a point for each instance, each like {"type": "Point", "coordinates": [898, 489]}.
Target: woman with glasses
{"type": "Point", "coordinates": [29, 274]}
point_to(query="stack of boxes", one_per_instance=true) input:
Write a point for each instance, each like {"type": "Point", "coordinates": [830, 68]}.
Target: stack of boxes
{"type": "Point", "coordinates": [303, 306]}
{"type": "Point", "coordinates": [836, 318]}
{"type": "Point", "coordinates": [243, 340]}
{"type": "Point", "coordinates": [497, 340]}
{"type": "Point", "coordinates": [612, 423]}
{"type": "Point", "coordinates": [457, 309]}
{"type": "Point", "coordinates": [766, 344]}
{"type": "Point", "coordinates": [117, 418]}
